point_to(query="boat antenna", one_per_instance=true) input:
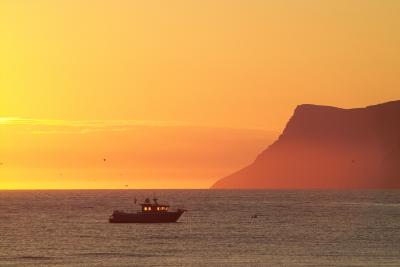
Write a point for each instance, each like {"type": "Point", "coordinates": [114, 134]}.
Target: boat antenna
{"type": "Point", "coordinates": [155, 198]}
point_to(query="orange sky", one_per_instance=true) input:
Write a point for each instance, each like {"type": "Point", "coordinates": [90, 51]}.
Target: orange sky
{"type": "Point", "coordinates": [176, 93]}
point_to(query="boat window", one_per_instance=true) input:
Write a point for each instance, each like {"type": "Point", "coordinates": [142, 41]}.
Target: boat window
{"type": "Point", "coordinates": [149, 208]}
{"type": "Point", "coordinates": [145, 208]}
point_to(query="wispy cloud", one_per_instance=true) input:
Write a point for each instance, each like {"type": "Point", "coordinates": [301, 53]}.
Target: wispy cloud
{"type": "Point", "coordinates": [85, 123]}
{"type": "Point", "coordinates": [52, 126]}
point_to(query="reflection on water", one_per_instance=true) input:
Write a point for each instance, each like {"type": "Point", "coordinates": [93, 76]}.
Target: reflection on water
{"type": "Point", "coordinates": [292, 228]}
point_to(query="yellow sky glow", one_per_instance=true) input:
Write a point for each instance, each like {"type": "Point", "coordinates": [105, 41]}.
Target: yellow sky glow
{"type": "Point", "coordinates": [179, 92]}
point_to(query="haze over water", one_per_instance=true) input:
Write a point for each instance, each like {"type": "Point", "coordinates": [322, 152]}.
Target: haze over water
{"type": "Point", "coordinates": [294, 228]}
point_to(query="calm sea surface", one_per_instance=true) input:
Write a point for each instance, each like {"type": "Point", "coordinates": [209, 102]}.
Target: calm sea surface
{"type": "Point", "coordinates": [294, 228]}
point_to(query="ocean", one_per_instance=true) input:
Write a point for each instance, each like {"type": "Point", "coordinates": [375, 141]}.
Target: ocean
{"type": "Point", "coordinates": [293, 228]}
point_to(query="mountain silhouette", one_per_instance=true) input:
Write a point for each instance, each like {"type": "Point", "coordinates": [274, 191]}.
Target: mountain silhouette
{"type": "Point", "coordinates": [329, 147]}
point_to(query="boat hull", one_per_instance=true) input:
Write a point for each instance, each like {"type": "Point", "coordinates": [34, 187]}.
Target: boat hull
{"type": "Point", "coordinates": [146, 217]}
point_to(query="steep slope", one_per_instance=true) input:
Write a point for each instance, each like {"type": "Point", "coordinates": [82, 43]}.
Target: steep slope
{"type": "Point", "coordinates": [328, 147]}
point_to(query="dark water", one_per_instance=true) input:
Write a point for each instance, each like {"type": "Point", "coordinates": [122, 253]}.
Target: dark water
{"type": "Point", "coordinates": [295, 228]}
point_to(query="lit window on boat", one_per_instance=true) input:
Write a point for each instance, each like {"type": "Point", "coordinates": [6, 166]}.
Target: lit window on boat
{"type": "Point", "coordinates": [158, 208]}
{"type": "Point", "coordinates": [145, 208]}
{"type": "Point", "coordinates": [149, 208]}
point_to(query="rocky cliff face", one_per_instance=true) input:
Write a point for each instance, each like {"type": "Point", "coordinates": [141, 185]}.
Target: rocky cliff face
{"type": "Point", "coordinates": [328, 147]}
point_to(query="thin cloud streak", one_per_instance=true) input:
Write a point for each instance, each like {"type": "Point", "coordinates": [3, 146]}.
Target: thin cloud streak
{"type": "Point", "coordinates": [85, 123]}
{"type": "Point", "coordinates": [52, 126]}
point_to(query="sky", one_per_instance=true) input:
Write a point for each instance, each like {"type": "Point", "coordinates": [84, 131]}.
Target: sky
{"type": "Point", "coordinates": [176, 94]}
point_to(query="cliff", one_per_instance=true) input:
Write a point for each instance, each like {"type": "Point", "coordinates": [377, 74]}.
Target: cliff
{"type": "Point", "coordinates": [329, 147]}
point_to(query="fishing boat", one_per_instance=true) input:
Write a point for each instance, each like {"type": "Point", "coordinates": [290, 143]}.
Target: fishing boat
{"type": "Point", "coordinates": [150, 212]}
